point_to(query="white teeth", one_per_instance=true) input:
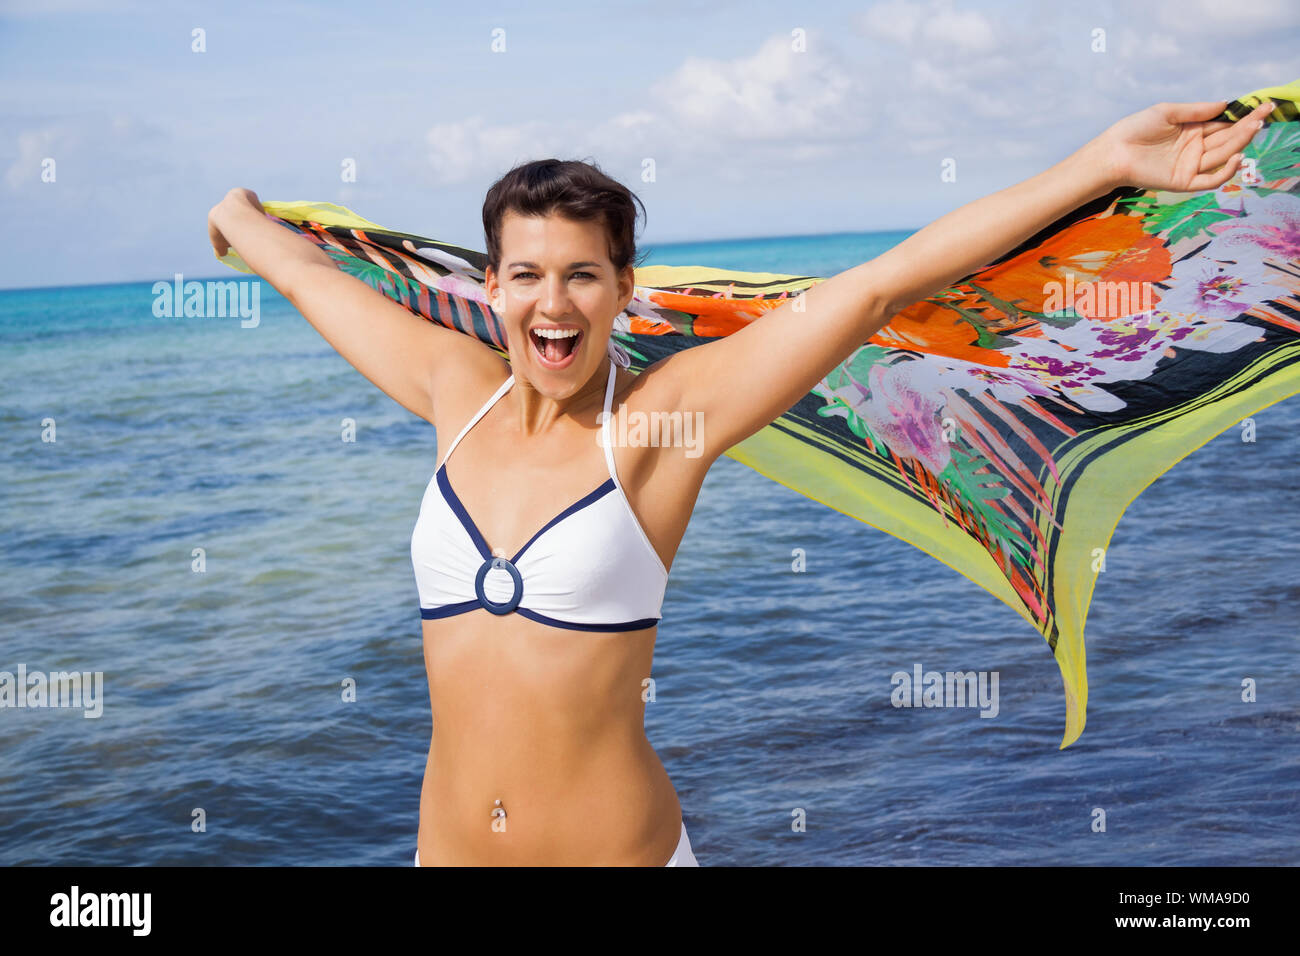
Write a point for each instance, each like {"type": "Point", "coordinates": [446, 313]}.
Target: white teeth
{"type": "Point", "coordinates": [555, 333]}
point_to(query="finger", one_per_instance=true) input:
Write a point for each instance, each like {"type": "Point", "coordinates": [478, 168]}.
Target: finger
{"type": "Point", "coordinates": [1255, 118]}
{"type": "Point", "coordinates": [1193, 112]}
{"type": "Point", "coordinates": [1241, 132]}
{"type": "Point", "coordinates": [1213, 180]}
{"type": "Point", "coordinates": [1258, 113]}
{"type": "Point", "coordinates": [1215, 132]}
{"type": "Point", "coordinates": [1215, 135]}
{"type": "Point", "coordinates": [1218, 147]}
{"type": "Point", "coordinates": [1212, 159]}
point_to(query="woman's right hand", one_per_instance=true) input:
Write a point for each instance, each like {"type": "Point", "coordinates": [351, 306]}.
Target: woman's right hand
{"type": "Point", "coordinates": [236, 195]}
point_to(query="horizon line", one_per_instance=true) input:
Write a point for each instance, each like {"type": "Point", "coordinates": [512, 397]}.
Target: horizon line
{"type": "Point", "coordinates": [649, 245]}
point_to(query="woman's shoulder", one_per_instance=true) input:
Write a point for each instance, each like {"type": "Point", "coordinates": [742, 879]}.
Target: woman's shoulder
{"type": "Point", "coordinates": [466, 385]}
{"type": "Point", "coordinates": [657, 387]}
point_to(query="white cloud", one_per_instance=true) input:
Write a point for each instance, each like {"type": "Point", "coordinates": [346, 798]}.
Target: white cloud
{"type": "Point", "coordinates": [929, 72]}
{"type": "Point", "coordinates": [775, 93]}
{"type": "Point", "coordinates": [1216, 18]}
{"type": "Point", "coordinates": [948, 72]}
{"type": "Point", "coordinates": [895, 20]}
{"type": "Point", "coordinates": [960, 32]}
{"type": "Point", "coordinates": [936, 26]}
{"type": "Point", "coordinates": [463, 149]}
{"type": "Point", "coordinates": [784, 101]}
{"type": "Point", "coordinates": [1163, 46]}
{"type": "Point", "coordinates": [851, 131]}
{"type": "Point", "coordinates": [34, 146]}
{"type": "Point", "coordinates": [113, 149]}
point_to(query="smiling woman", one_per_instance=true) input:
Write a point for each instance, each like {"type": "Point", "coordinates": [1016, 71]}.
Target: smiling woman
{"type": "Point", "coordinates": [563, 627]}
{"type": "Point", "coordinates": [556, 345]}
{"type": "Point", "coordinates": [539, 627]}
{"type": "Point", "coordinates": [534, 209]}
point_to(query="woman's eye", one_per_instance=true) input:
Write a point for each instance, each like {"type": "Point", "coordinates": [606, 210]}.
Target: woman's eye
{"type": "Point", "coordinates": [520, 275]}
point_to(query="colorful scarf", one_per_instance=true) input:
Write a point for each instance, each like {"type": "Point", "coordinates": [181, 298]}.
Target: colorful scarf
{"type": "Point", "coordinates": [1003, 425]}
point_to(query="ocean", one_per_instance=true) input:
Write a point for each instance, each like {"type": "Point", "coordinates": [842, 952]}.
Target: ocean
{"type": "Point", "coordinates": [222, 688]}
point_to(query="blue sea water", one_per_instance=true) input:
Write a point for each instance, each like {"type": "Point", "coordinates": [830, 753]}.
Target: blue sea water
{"type": "Point", "coordinates": [222, 688]}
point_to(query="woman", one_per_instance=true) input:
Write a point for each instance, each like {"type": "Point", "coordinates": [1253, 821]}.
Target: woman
{"type": "Point", "coordinates": [541, 549]}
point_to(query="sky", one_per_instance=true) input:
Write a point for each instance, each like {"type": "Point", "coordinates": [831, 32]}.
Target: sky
{"type": "Point", "coordinates": [727, 119]}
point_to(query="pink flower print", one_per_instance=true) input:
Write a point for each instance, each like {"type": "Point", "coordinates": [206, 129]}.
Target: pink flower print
{"type": "Point", "coordinates": [1272, 225]}
{"type": "Point", "coordinates": [904, 411]}
{"type": "Point", "coordinates": [1206, 289]}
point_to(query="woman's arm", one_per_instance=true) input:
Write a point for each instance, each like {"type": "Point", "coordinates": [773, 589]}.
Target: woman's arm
{"type": "Point", "coordinates": [744, 381]}
{"type": "Point", "coordinates": [401, 353]}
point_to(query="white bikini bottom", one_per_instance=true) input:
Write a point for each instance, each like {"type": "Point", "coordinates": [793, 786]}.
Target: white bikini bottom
{"type": "Point", "coordinates": [682, 856]}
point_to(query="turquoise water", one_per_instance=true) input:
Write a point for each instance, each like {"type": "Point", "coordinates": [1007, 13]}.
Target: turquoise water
{"type": "Point", "coordinates": [222, 688]}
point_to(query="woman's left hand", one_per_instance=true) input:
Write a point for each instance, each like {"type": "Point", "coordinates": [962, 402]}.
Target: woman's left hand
{"type": "Point", "coordinates": [1179, 147]}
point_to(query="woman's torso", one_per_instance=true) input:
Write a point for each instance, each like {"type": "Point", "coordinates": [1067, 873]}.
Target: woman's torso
{"type": "Point", "coordinates": [548, 721]}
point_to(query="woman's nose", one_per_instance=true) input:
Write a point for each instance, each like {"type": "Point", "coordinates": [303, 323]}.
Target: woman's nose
{"type": "Point", "coordinates": [555, 300]}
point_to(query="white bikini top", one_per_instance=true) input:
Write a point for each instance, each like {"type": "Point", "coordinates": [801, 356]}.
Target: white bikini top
{"type": "Point", "coordinates": [590, 568]}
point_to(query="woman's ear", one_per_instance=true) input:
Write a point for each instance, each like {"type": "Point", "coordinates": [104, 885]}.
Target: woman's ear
{"type": "Point", "coordinates": [627, 286]}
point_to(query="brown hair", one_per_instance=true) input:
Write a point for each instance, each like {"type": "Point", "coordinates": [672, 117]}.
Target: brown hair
{"type": "Point", "coordinates": [569, 188]}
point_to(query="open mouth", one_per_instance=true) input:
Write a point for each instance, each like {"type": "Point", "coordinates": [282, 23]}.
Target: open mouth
{"type": "Point", "coordinates": [555, 347]}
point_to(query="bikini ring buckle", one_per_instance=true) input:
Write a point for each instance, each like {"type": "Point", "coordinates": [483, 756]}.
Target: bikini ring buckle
{"type": "Point", "coordinates": [499, 564]}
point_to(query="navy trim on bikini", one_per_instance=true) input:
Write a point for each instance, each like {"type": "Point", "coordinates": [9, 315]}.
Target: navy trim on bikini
{"type": "Point", "coordinates": [447, 610]}
{"type": "Point", "coordinates": [462, 514]}
{"type": "Point", "coordinates": [449, 493]}
{"type": "Point", "coordinates": [466, 521]}
{"type": "Point", "coordinates": [578, 505]}
{"type": "Point", "coordinates": [556, 622]}
{"type": "Point", "coordinates": [450, 610]}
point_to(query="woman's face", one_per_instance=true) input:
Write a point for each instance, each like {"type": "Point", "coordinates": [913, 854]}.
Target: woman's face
{"type": "Point", "coordinates": [557, 295]}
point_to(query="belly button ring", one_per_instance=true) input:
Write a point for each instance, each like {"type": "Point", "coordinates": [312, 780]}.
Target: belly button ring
{"type": "Point", "coordinates": [498, 817]}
